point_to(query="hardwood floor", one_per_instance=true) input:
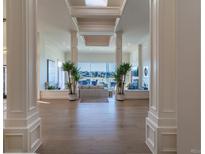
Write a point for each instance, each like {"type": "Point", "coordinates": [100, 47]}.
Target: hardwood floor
{"type": "Point", "coordinates": [93, 128]}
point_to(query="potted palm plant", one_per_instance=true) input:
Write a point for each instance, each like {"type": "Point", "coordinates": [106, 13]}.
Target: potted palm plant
{"type": "Point", "coordinates": [73, 78]}
{"type": "Point", "coordinates": [120, 78]}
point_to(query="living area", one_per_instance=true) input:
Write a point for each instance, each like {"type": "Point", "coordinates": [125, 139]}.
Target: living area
{"type": "Point", "coordinates": [97, 47]}
{"type": "Point", "coordinates": [101, 76]}
{"type": "Point", "coordinates": [91, 65]}
{"type": "Point", "coordinates": [96, 79]}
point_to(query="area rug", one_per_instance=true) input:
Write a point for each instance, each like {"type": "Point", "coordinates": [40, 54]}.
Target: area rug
{"type": "Point", "coordinates": [94, 100]}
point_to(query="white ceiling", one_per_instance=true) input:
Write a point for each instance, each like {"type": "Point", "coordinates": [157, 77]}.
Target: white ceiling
{"type": "Point", "coordinates": [134, 21]}
{"type": "Point", "coordinates": [54, 22]}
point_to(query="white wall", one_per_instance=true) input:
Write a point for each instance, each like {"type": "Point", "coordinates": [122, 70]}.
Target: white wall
{"type": "Point", "coordinates": [98, 57]}
{"type": "Point", "coordinates": [188, 76]}
{"type": "Point", "coordinates": [67, 56]}
{"type": "Point", "coordinates": [134, 56]}
{"type": "Point", "coordinates": [47, 51]}
{"type": "Point", "coordinates": [126, 57]}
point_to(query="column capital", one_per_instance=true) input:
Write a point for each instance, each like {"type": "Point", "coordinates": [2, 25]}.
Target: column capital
{"type": "Point", "coordinates": [119, 32]}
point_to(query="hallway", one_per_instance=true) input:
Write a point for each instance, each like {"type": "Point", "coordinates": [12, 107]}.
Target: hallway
{"type": "Point", "coordinates": [93, 128]}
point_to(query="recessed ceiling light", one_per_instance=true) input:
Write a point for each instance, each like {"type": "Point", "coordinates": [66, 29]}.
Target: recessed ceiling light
{"type": "Point", "coordinates": [100, 3]}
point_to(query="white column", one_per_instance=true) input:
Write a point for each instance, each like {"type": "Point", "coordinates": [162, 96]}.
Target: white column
{"type": "Point", "coordinates": [74, 47]}
{"type": "Point", "coordinates": [161, 124]}
{"type": "Point", "coordinates": [118, 52]}
{"type": "Point", "coordinates": [38, 50]}
{"type": "Point", "coordinates": [140, 67]}
{"type": "Point", "coordinates": [22, 122]}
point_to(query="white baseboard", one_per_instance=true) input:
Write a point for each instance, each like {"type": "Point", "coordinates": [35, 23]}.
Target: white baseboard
{"type": "Point", "coordinates": [23, 139]}
{"type": "Point", "coordinates": [161, 140]}
{"type": "Point", "coordinates": [136, 94]}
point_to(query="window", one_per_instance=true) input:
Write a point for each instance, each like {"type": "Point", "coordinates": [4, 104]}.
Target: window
{"type": "Point", "coordinates": [97, 74]}
{"type": "Point", "coordinates": [61, 76]}
{"type": "Point", "coordinates": [55, 75]}
{"type": "Point", "coordinates": [51, 72]}
{"type": "Point", "coordinates": [134, 78]}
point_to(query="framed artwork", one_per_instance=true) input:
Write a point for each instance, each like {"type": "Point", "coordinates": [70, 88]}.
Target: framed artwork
{"type": "Point", "coordinates": [146, 71]}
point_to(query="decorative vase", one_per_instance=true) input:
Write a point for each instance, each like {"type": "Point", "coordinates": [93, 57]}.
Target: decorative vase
{"type": "Point", "coordinates": [72, 97]}
{"type": "Point", "coordinates": [120, 97]}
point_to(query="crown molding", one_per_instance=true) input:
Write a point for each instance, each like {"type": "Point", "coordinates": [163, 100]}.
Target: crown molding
{"type": "Point", "coordinates": [95, 33]}
{"type": "Point", "coordinates": [75, 22]}
{"type": "Point", "coordinates": [96, 28]}
{"type": "Point", "coordinates": [81, 11]}
{"type": "Point", "coordinates": [116, 24]}
{"type": "Point", "coordinates": [123, 6]}
{"type": "Point", "coordinates": [68, 5]}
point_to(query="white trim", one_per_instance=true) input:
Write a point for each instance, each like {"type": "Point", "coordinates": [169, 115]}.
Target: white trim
{"type": "Point", "coordinates": [80, 11]}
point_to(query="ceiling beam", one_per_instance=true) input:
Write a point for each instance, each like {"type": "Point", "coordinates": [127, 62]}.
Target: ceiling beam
{"type": "Point", "coordinates": [95, 33]}
{"type": "Point", "coordinates": [78, 11]}
{"type": "Point", "coordinates": [96, 28]}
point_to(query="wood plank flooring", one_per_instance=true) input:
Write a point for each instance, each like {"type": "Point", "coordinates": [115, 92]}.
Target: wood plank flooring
{"type": "Point", "coordinates": [93, 128]}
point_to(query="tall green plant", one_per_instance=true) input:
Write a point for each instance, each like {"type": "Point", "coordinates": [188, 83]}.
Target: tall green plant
{"type": "Point", "coordinates": [120, 77]}
{"type": "Point", "coordinates": [73, 76]}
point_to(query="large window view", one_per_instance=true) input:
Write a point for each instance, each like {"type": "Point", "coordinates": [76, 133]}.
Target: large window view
{"type": "Point", "coordinates": [97, 74]}
{"type": "Point", "coordinates": [134, 84]}
{"type": "Point", "coordinates": [55, 75]}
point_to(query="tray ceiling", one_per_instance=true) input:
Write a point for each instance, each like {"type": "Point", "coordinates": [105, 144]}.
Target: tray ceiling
{"type": "Point", "coordinates": [112, 3]}
{"type": "Point", "coordinates": [56, 20]}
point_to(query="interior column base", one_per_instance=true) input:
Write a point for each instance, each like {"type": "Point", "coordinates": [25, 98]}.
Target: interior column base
{"type": "Point", "coordinates": [160, 140]}
{"type": "Point", "coordinates": [23, 139]}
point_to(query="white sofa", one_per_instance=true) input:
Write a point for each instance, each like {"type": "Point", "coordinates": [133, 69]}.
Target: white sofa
{"type": "Point", "coordinates": [136, 94]}
{"type": "Point", "coordinates": [54, 94]}
{"type": "Point", "coordinates": [93, 92]}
